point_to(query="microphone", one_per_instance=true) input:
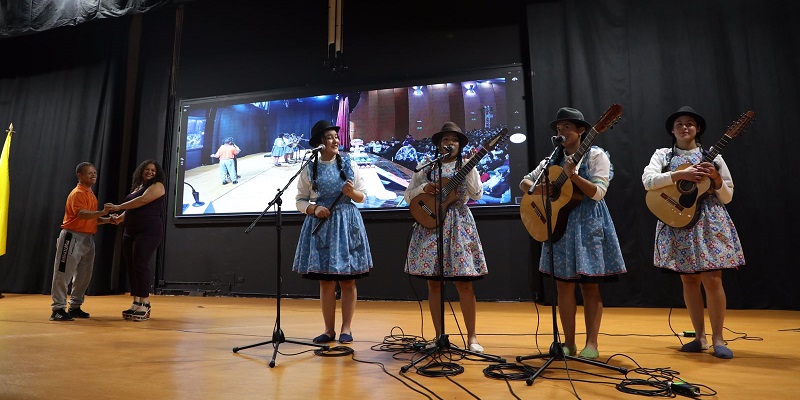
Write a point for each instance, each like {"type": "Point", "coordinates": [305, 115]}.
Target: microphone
{"type": "Point", "coordinates": [449, 149]}
{"type": "Point", "coordinates": [557, 139]}
{"type": "Point", "coordinates": [318, 148]}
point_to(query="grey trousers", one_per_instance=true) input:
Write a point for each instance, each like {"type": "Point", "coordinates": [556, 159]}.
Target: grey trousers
{"type": "Point", "coordinates": [74, 263]}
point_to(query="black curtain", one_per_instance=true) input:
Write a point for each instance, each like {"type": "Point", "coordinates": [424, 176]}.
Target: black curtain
{"type": "Point", "coordinates": [63, 98]}
{"type": "Point", "coordinates": [721, 57]}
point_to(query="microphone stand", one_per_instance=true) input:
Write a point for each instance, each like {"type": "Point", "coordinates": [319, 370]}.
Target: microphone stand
{"type": "Point", "coordinates": [556, 351]}
{"type": "Point", "coordinates": [442, 343]}
{"type": "Point", "coordinates": [277, 335]}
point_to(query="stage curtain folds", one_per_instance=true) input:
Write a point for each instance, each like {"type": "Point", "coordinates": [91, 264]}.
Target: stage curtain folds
{"type": "Point", "coordinates": [21, 17]}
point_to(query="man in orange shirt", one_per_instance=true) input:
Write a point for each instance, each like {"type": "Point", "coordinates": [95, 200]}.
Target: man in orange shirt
{"type": "Point", "coordinates": [75, 246]}
{"type": "Point", "coordinates": [226, 154]}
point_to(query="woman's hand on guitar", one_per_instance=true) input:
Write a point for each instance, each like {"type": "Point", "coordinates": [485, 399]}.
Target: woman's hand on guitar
{"type": "Point", "coordinates": [430, 188]}
{"type": "Point", "coordinates": [693, 173]}
{"type": "Point", "coordinates": [569, 167]}
{"type": "Point", "coordinates": [711, 171]}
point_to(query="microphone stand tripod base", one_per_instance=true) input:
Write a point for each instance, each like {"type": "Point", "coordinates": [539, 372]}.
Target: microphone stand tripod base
{"type": "Point", "coordinates": [442, 344]}
{"type": "Point", "coordinates": [277, 339]}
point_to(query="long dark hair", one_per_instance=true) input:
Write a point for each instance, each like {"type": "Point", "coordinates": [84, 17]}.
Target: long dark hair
{"type": "Point", "coordinates": [137, 175]}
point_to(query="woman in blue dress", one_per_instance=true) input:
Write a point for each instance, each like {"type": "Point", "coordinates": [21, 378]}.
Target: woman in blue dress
{"type": "Point", "coordinates": [339, 251]}
{"type": "Point", "coordinates": [463, 256]}
{"type": "Point", "coordinates": [698, 252]}
{"type": "Point", "coordinates": [588, 253]}
{"type": "Point", "coordinates": [280, 147]}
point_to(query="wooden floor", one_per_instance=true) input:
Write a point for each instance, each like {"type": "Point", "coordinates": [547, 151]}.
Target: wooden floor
{"type": "Point", "coordinates": [185, 352]}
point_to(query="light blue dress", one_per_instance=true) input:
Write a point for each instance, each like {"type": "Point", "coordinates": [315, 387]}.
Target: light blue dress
{"type": "Point", "coordinates": [340, 249]}
{"type": "Point", "coordinates": [279, 147]}
{"type": "Point", "coordinates": [590, 246]}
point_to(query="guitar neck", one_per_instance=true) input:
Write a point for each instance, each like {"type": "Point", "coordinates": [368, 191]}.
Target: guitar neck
{"type": "Point", "coordinates": [462, 173]}
{"type": "Point", "coordinates": [578, 155]}
{"type": "Point", "coordinates": [717, 148]}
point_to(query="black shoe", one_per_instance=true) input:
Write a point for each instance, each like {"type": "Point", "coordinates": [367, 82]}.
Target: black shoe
{"type": "Point", "coordinates": [225, 183]}
{"type": "Point", "coordinates": [235, 182]}
{"type": "Point", "coordinates": [78, 313]}
{"type": "Point", "coordinates": [60, 315]}
{"type": "Point", "coordinates": [142, 312]}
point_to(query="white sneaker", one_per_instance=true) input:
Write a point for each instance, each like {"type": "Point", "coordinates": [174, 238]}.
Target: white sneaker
{"type": "Point", "coordinates": [475, 348]}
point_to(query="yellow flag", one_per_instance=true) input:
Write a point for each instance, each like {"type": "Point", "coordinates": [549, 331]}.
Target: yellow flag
{"type": "Point", "coordinates": [5, 188]}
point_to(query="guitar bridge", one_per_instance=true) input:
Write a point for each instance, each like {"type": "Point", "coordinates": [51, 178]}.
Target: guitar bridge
{"type": "Point", "coordinates": [538, 213]}
{"type": "Point", "coordinates": [672, 202]}
{"type": "Point", "coordinates": [426, 209]}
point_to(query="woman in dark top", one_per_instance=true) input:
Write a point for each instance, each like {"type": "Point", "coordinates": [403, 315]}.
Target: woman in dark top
{"type": "Point", "coordinates": [143, 215]}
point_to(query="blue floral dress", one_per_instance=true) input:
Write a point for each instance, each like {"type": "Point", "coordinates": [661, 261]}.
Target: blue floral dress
{"type": "Point", "coordinates": [340, 249]}
{"type": "Point", "coordinates": [711, 243]}
{"type": "Point", "coordinates": [463, 252]}
{"type": "Point", "coordinates": [590, 246]}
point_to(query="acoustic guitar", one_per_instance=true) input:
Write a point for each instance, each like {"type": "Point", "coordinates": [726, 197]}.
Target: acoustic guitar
{"type": "Point", "coordinates": [676, 205]}
{"type": "Point", "coordinates": [564, 196]}
{"type": "Point", "coordinates": [423, 207]}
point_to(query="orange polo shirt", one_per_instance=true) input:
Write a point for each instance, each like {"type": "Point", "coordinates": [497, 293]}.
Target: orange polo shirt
{"type": "Point", "coordinates": [80, 198]}
{"type": "Point", "coordinates": [227, 152]}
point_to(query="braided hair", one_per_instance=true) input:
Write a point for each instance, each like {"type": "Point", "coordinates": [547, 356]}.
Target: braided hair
{"type": "Point", "coordinates": [339, 164]}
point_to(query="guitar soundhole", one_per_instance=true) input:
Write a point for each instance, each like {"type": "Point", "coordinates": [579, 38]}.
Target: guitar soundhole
{"type": "Point", "coordinates": [686, 186]}
{"type": "Point", "coordinates": [556, 194]}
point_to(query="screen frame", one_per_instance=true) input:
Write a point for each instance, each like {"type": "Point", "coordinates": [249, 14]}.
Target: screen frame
{"type": "Point", "coordinates": [517, 126]}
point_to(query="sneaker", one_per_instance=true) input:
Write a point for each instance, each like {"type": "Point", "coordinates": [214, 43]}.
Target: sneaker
{"type": "Point", "coordinates": [225, 182]}
{"type": "Point", "coordinates": [128, 314]}
{"type": "Point", "coordinates": [142, 312]}
{"type": "Point", "coordinates": [235, 182]}
{"type": "Point", "coordinates": [60, 315]}
{"type": "Point", "coordinates": [78, 313]}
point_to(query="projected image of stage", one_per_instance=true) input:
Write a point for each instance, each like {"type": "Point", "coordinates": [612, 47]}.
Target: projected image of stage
{"type": "Point", "coordinates": [260, 180]}
{"type": "Point", "coordinates": [386, 131]}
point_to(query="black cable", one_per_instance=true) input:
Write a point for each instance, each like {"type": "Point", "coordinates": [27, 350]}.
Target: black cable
{"type": "Point", "coordinates": [338, 351]}
{"type": "Point", "coordinates": [660, 389]}
{"type": "Point", "coordinates": [499, 371]}
{"type": "Point", "coordinates": [463, 388]}
{"type": "Point", "coordinates": [743, 336]}
{"type": "Point", "coordinates": [383, 368]}
{"type": "Point", "coordinates": [438, 368]}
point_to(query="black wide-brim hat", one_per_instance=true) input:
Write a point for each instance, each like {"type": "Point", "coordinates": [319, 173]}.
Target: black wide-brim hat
{"type": "Point", "coordinates": [570, 114]}
{"type": "Point", "coordinates": [686, 110]}
{"type": "Point", "coordinates": [450, 127]}
{"type": "Point", "coordinates": [318, 130]}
